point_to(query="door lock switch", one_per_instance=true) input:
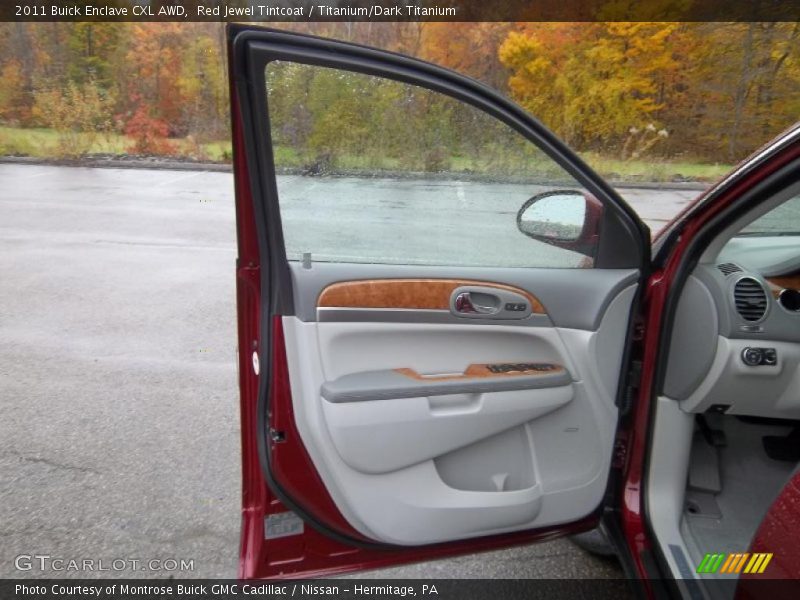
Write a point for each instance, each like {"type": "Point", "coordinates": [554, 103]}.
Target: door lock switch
{"type": "Point", "coordinates": [516, 306]}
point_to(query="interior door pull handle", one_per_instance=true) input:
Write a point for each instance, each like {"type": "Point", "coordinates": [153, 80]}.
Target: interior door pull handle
{"type": "Point", "coordinates": [465, 304]}
{"type": "Point", "coordinates": [484, 302]}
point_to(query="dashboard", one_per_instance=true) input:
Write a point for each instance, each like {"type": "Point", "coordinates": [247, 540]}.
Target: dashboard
{"type": "Point", "coordinates": [735, 346]}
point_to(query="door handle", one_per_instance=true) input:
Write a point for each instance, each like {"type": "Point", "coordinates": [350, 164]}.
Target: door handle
{"type": "Point", "coordinates": [484, 302]}
{"type": "Point", "coordinates": [466, 304]}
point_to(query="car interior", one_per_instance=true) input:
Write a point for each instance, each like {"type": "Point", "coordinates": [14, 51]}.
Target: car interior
{"type": "Point", "coordinates": [727, 426]}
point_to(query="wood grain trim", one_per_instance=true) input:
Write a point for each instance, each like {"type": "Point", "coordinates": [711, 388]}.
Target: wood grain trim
{"type": "Point", "coordinates": [786, 282]}
{"type": "Point", "coordinates": [476, 371]}
{"type": "Point", "coordinates": [420, 294]}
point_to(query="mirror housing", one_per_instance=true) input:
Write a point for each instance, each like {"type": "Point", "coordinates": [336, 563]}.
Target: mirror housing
{"type": "Point", "coordinates": [566, 219]}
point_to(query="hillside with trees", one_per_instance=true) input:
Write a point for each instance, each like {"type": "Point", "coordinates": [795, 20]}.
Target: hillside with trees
{"type": "Point", "coordinates": [664, 99]}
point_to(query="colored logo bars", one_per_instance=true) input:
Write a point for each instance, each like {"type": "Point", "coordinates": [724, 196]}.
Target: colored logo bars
{"type": "Point", "coordinates": [734, 563]}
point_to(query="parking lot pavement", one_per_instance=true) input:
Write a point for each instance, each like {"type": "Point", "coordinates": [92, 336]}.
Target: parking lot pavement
{"type": "Point", "coordinates": [551, 560]}
{"type": "Point", "coordinates": [119, 432]}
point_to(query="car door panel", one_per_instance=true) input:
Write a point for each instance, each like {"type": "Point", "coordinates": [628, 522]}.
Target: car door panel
{"type": "Point", "coordinates": [381, 417]}
{"type": "Point", "coordinates": [456, 465]}
{"type": "Point", "coordinates": [569, 299]}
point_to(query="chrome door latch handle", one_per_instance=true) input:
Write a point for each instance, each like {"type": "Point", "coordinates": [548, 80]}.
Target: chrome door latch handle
{"type": "Point", "coordinates": [487, 302]}
{"type": "Point", "coordinates": [465, 304]}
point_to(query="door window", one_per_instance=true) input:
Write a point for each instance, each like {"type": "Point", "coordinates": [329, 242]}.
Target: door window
{"type": "Point", "coordinates": [781, 221]}
{"type": "Point", "coordinates": [373, 170]}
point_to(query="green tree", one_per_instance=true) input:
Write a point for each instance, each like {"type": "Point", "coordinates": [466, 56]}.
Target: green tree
{"type": "Point", "coordinates": [93, 52]}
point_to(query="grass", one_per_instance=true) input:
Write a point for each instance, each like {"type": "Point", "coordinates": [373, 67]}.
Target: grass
{"type": "Point", "coordinates": [44, 143]}
{"type": "Point", "coordinates": [656, 169]}
{"type": "Point", "coordinates": [219, 151]}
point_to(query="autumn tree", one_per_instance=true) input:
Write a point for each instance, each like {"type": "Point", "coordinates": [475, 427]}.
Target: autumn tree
{"type": "Point", "coordinates": [150, 74]}
{"type": "Point", "coordinates": [12, 92]}
{"type": "Point", "coordinates": [590, 82]}
{"type": "Point", "coordinates": [746, 87]}
{"type": "Point", "coordinates": [711, 86]}
{"type": "Point", "coordinates": [469, 48]}
{"type": "Point", "coordinates": [79, 113]}
{"type": "Point", "coordinates": [93, 52]}
{"type": "Point", "coordinates": [717, 90]}
{"type": "Point", "coordinates": [202, 83]}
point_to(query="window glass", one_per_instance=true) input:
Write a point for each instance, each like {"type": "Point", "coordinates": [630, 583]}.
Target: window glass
{"type": "Point", "coordinates": [372, 170]}
{"type": "Point", "coordinates": [782, 220]}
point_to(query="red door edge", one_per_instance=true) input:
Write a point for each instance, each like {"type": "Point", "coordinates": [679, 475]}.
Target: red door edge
{"type": "Point", "coordinates": [632, 503]}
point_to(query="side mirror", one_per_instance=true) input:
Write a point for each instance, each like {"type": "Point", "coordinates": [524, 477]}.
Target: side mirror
{"type": "Point", "coordinates": [567, 219]}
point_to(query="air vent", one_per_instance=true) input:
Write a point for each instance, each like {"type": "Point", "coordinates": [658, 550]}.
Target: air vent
{"type": "Point", "coordinates": [750, 298]}
{"type": "Point", "coordinates": [728, 268]}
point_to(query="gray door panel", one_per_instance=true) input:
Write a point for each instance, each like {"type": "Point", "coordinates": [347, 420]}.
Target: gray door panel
{"type": "Point", "coordinates": [573, 298]}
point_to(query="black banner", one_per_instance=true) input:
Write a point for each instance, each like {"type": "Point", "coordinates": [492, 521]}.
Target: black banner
{"type": "Point", "coordinates": [399, 10]}
{"type": "Point", "coordinates": [362, 588]}
{"type": "Point", "coordinates": [329, 589]}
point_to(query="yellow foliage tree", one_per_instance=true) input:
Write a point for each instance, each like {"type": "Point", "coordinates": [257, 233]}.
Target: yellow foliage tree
{"type": "Point", "coordinates": [12, 91]}
{"type": "Point", "coordinates": [79, 113]}
{"type": "Point", "coordinates": [590, 82]}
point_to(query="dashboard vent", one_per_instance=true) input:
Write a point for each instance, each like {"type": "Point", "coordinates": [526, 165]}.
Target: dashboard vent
{"type": "Point", "coordinates": [750, 298]}
{"type": "Point", "coordinates": [728, 268]}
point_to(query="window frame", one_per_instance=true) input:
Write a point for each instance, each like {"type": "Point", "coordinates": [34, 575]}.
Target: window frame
{"type": "Point", "coordinates": [625, 239]}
